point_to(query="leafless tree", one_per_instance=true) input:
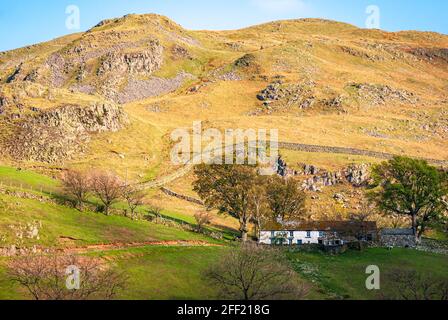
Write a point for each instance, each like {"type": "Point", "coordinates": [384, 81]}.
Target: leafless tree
{"type": "Point", "coordinates": [134, 198]}
{"type": "Point", "coordinates": [156, 211]}
{"type": "Point", "coordinates": [107, 187]}
{"type": "Point", "coordinates": [253, 272]}
{"type": "Point", "coordinates": [45, 277]}
{"type": "Point", "coordinates": [77, 184]}
{"type": "Point", "coordinates": [412, 285]}
{"type": "Point", "coordinates": [202, 218]}
{"type": "Point", "coordinates": [366, 212]}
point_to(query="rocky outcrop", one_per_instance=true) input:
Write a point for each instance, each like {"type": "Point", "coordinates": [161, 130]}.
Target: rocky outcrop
{"type": "Point", "coordinates": [15, 74]}
{"type": "Point", "coordinates": [431, 54]}
{"type": "Point", "coordinates": [376, 94]}
{"type": "Point", "coordinates": [57, 134]}
{"type": "Point", "coordinates": [178, 52]}
{"type": "Point", "coordinates": [58, 67]}
{"type": "Point", "coordinates": [356, 175]}
{"type": "Point", "coordinates": [362, 54]}
{"type": "Point", "coordinates": [121, 74]}
{"type": "Point", "coordinates": [245, 61]}
{"type": "Point", "coordinates": [278, 95]}
{"type": "Point", "coordinates": [146, 61]}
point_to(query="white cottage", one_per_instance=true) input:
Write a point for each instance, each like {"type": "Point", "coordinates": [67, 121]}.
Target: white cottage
{"type": "Point", "coordinates": [317, 232]}
{"type": "Point", "coordinates": [292, 237]}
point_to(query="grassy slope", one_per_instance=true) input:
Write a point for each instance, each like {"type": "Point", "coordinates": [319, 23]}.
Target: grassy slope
{"type": "Point", "coordinates": [57, 217]}
{"type": "Point", "coordinates": [155, 273]}
{"type": "Point", "coordinates": [344, 276]}
{"type": "Point", "coordinates": [87, 227]}
{"type": "Point", "coordinates": [175, 273]}
{"type": "Point", "coordinates": [61, 221]}
{"type": "Point", "coordinates": [27, 179]}
{"type": "Point", "coordinates": [166, 273]}
{"type": "Point", "coordinates": [297, 49]}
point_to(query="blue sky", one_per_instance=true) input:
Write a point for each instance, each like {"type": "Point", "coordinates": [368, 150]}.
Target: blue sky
{"type": "Point", "coordinates": [24, 22]}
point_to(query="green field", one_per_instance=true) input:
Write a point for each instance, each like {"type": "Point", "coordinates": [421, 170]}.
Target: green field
{"type": "Point", "coordinates": [175, 272]}
{"type": "Point", "coordinates": [343, 276]}
{"type": "Point", "coordinates": [12, 177]}
{"type": "Point", "coordinates": [162, 273]}
{"type": "Point", "coordinates": [167, 273]}
{"type": "Point", "coordinates": [66, 222]}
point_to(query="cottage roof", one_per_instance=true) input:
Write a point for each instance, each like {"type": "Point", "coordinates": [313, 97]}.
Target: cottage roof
{"type": "Point", "coordinates": [397, 232]}
{"type": "Point", "coordinates": [337, 226]}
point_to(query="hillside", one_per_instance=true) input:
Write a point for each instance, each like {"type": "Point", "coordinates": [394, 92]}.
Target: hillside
{"type": "Point", "coordinates": [110, 97]}
{"type": "Point", "coordinates": [342, 98]}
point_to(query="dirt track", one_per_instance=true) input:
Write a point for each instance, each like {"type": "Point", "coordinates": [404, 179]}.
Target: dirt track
{"type": "Point", "coordinates": [117, 246]}
{"type": "Point", "coordinates": [7, 252]}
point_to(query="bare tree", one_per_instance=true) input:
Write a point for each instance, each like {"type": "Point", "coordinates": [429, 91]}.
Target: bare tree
{"type": "Point", "coordinates": [77, 184]}
{"type": "Point", "coordinates": [253, 272]}
{"type": "Point", "coordinates": [366, 212]}
{"type": "Point", "coordinates": [156, 211]}
{"type": "Point", "coordinates": [202, 218]}
{"type": "Point", "coordinates": [412, 285]}
{"type": "Point", "coordinates": [134, 198]}
{"type": "Point", "coordinates": [45, 277]}
{"type": "Point", "coordinates": [107, 187]}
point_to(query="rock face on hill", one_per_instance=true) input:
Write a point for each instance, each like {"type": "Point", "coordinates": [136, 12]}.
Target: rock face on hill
{"type": "Point", "coordinates": [56, 135]}
{"type": "Point", "coordinates": [146, 61]}
{"type": "Point", "coordinates": [356, 175]}
{"type": "Point", "coordinates": [381, 94]}
{"type": "Point", "coordinates": [295, 68]}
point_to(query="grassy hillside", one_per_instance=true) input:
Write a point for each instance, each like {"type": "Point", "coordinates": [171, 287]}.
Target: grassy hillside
{"type": "Point", "coordinates": [176, 273]}
{"type": "Point", "coordinates": [318, 82]}
{"type": "Point", "coordinates": [346, 87]}
{"type": "Point", "coordinates": [344, 276]}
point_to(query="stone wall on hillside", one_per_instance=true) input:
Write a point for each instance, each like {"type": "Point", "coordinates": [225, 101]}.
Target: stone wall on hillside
{"type": "Point", "coordinates": [343, 150]}
{"type": "Point", "coordinates": [401, 238]}
{"type": "Point", "coordinates": [181, 196]}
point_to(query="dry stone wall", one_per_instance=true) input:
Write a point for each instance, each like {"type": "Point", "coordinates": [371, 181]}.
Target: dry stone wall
{"type": "Point", "coordinates": [181, 196]}
{"type": "Point", "coordinates": [342, 150]}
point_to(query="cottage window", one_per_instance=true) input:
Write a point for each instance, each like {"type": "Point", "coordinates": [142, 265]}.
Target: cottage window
{"type": "Point", "coordinates": [272, 234]}
{"type": "Point", "coordinates": [299, 242]}
{"type": "Point", "coordinates": [308, 234]}
{"type": "Point", "coordinates": [321, 234]}
{"type": "Point", "coordinates": [291, 234]}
